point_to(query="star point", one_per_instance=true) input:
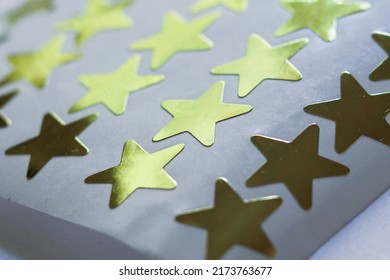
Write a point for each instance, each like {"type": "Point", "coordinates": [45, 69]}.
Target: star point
{"type": "Point", "coordinates": [356, 113]}
{"type": "Point", "coordinates": [99, 16]}
{"type": "Point", "coordinates": [261, 62]}
{"type": "Point", "coordinates": [113, 89]}
{"type": "Point", "coordinates": [237, 6]}
{"type": "Point", "coordinates": [233, 220]}
{"type": "Point", "coordinates": [382, 72]}
{"type": "Point", "coordinates": [318, 15]}
{"type": "Point", "coordinates": [199, 117]}
{"type": "Point", "coordinates": [137, 169]}
{"type": "Point", "coordinates": [177, 35]}
{"type": "Point", "coordinates": [36, 67]}
{"type": "Point", "coordinates": [295, 164]}
{"type": "Point", "coordinates": [4, 99]}
{"type": "Point", "coordinates": [55, 139]}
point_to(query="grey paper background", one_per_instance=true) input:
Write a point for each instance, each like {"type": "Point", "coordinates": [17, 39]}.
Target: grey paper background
{"type": "Point", "coordinates": [146, 220]}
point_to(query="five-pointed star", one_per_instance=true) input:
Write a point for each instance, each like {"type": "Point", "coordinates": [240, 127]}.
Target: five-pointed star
{"type": "Point", "coordinates": [198, 117]}
{"type": "Point", "coordinates": [233, 221]}
{"type": "Point", "coordinates": [113, 89]}
{"type": "Point", "coordinates": [237, 6]}
{"type": "Point", "coordinates": [177, 35]}
{"type": "Point", "coordinates": [295, 164]}
{"type": "Point", "coordinates": [262, 61]}
{"type": "Point", "coordinates": [318, 15]}
{"type": "Point", "coordinates": [356, 113]}
{"type": "Point", "coordinates": [138, 169]}
{"type": "Point", "coordinates": [36, 67]}
{"type": "Point", "coordinates": [55, 140]}
{"type": "Point", "coordinates": [4, 99]}
{"type": "Point", "coordinates": [382, 72]}
{"type": "Point", "coordinates": [99, 16]}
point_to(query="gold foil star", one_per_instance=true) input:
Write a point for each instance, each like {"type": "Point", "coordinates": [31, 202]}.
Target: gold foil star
{"type": "Point", "coordinates": [55, 140]}
{"type": "Point", "coordinates": [137, 169]}
{"type": "Point", "coordinates": [36, 67]}
{"type": "Point", "coordinates": [318, 15]}
{"type": "Point", "coordinates": [233, 221]}
{"type": "Point", "coordinates": [382, 72]}
{"type": "Point", "coordinates": [113, 89]}
{"type": "Point", "coordinates": [295, 164]}
{"type": "Point", "coordinates": [237, 6]}
{"type": "Point", "coordinates": [177, 35]}
{"type": "Point", "coordinates": [4, 99]}
{"type": "Point", "coordinates": [198, 117]}
{"type": "Point", "coordinates": [356, 114]}
{"type": "Point", "coordinates": [99, 16]}
{"type": "Point", "coordinates": [262, 61]}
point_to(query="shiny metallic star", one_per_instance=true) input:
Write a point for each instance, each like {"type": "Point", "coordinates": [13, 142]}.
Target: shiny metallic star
{"type": "Point", "coordinates": [382, 72]}
{"type": "Point", "coordinates": [356, 113]}
{"type": "Point", "coordinates": [55, 139]}
{"type": "Point", "coordinates": [295, 164]}
{"type": "Point", "coordinates": [318, 15]}
{"type": "Point", "coordinates": [233, 220]}
{"type": "Point", "coordinates": [137, 169]}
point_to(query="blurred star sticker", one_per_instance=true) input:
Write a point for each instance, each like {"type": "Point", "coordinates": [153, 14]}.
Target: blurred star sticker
{"type": "Point", "coordinates": [113, 89]}
{"type": "Point", "coordinates": [318, 15]}
{"type": "Point", "coordinates": [137, 169]}
{"type": "Point", "coordinates": [382, 72]}
{"type": "Point", "coordinates": [262, 61]}
{"type": "Point", "coordinates": [4, 99]}
{"type": "Point", "coordinates": [237, 6]}
{"type": "Point", "coordinates": [36, 67]}
{"type": "Point", "coordinates": [356, 114]}
{"type": "Point", "coordinates": [199, 117]}
{"type": "Point", "coordinates": [99, 16]}
{"type": "Point", "coordinates": [27, 8]}
{"type": "Point", "coordinates": [233, 220]}
{"type": "Point", "coordinates": [177, 35]}
{"type": "Point", "coordinates": [295, 164]}
{"type": "Point", "coordinates": [55, 140]}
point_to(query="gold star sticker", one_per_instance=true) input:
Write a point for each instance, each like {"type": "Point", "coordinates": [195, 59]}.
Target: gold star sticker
{"type": "Point", "coordinates": [237, 6]}
{"type": "Point", "coordinates": [99, 16]}
{"type": "Point", "coordinates": [198, 117]}
{"type": "Point", "coordinates": [262, 61]}
{"type": "Point", "coordinates": [138, 169]}
{"type": "Point", "coordinates": [36, 67]}
{"type": "Point", "coordinates": [113, 89]}
{"type": "Point", "coordinates": [177, 35]}
{"type": "Point", "coordinates": [55, 139]}
{"type": "Point", "coordinates": [356, 114]}
{"type": "Point", "coordinates": [382, 72]}
{"type": "Point", "coordinates": [318, 15]}
{"type": "Point", "coordinates": [295, 164]}
{"type": "Point", "coordinates": [4, 99]}
{"type": "Point", "coordinates": [233, 221]}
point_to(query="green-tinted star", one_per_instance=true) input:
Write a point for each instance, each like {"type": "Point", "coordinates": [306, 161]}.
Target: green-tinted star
{"type": "Point", "coordinates": [99, 16]}
{"type": "Point", "coordinates": [177, 35]}
{"type": "Point", "coordinates": [356, 113]}
{"type": "Point", "coordinates": [55, 140]}
{"type": "Point", "coordinates": [27, 8]}
{"type": "Point", "coordinates": [294, 163]}
{"type": "Point", "coordinates": [198, 117]}
{"type": "Point", "coordinates": [137, 169]}
{"type": "Point", "coordinates": [318, 15]}
{"type": "Point", "coordinates": [262, 61]}
{"type": "Point", "coordinates": [113, 89]}
{"type": "Point", "coordinates": [36, 67]}
{"type": "Point", "coordinates": [237, 6]}
{"type": "Point", "coordinates": [382, 72]}
{"type": "Point", "coordinates": [4, 99]}
{"type": "Point", "coordinates": [233, 221]}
